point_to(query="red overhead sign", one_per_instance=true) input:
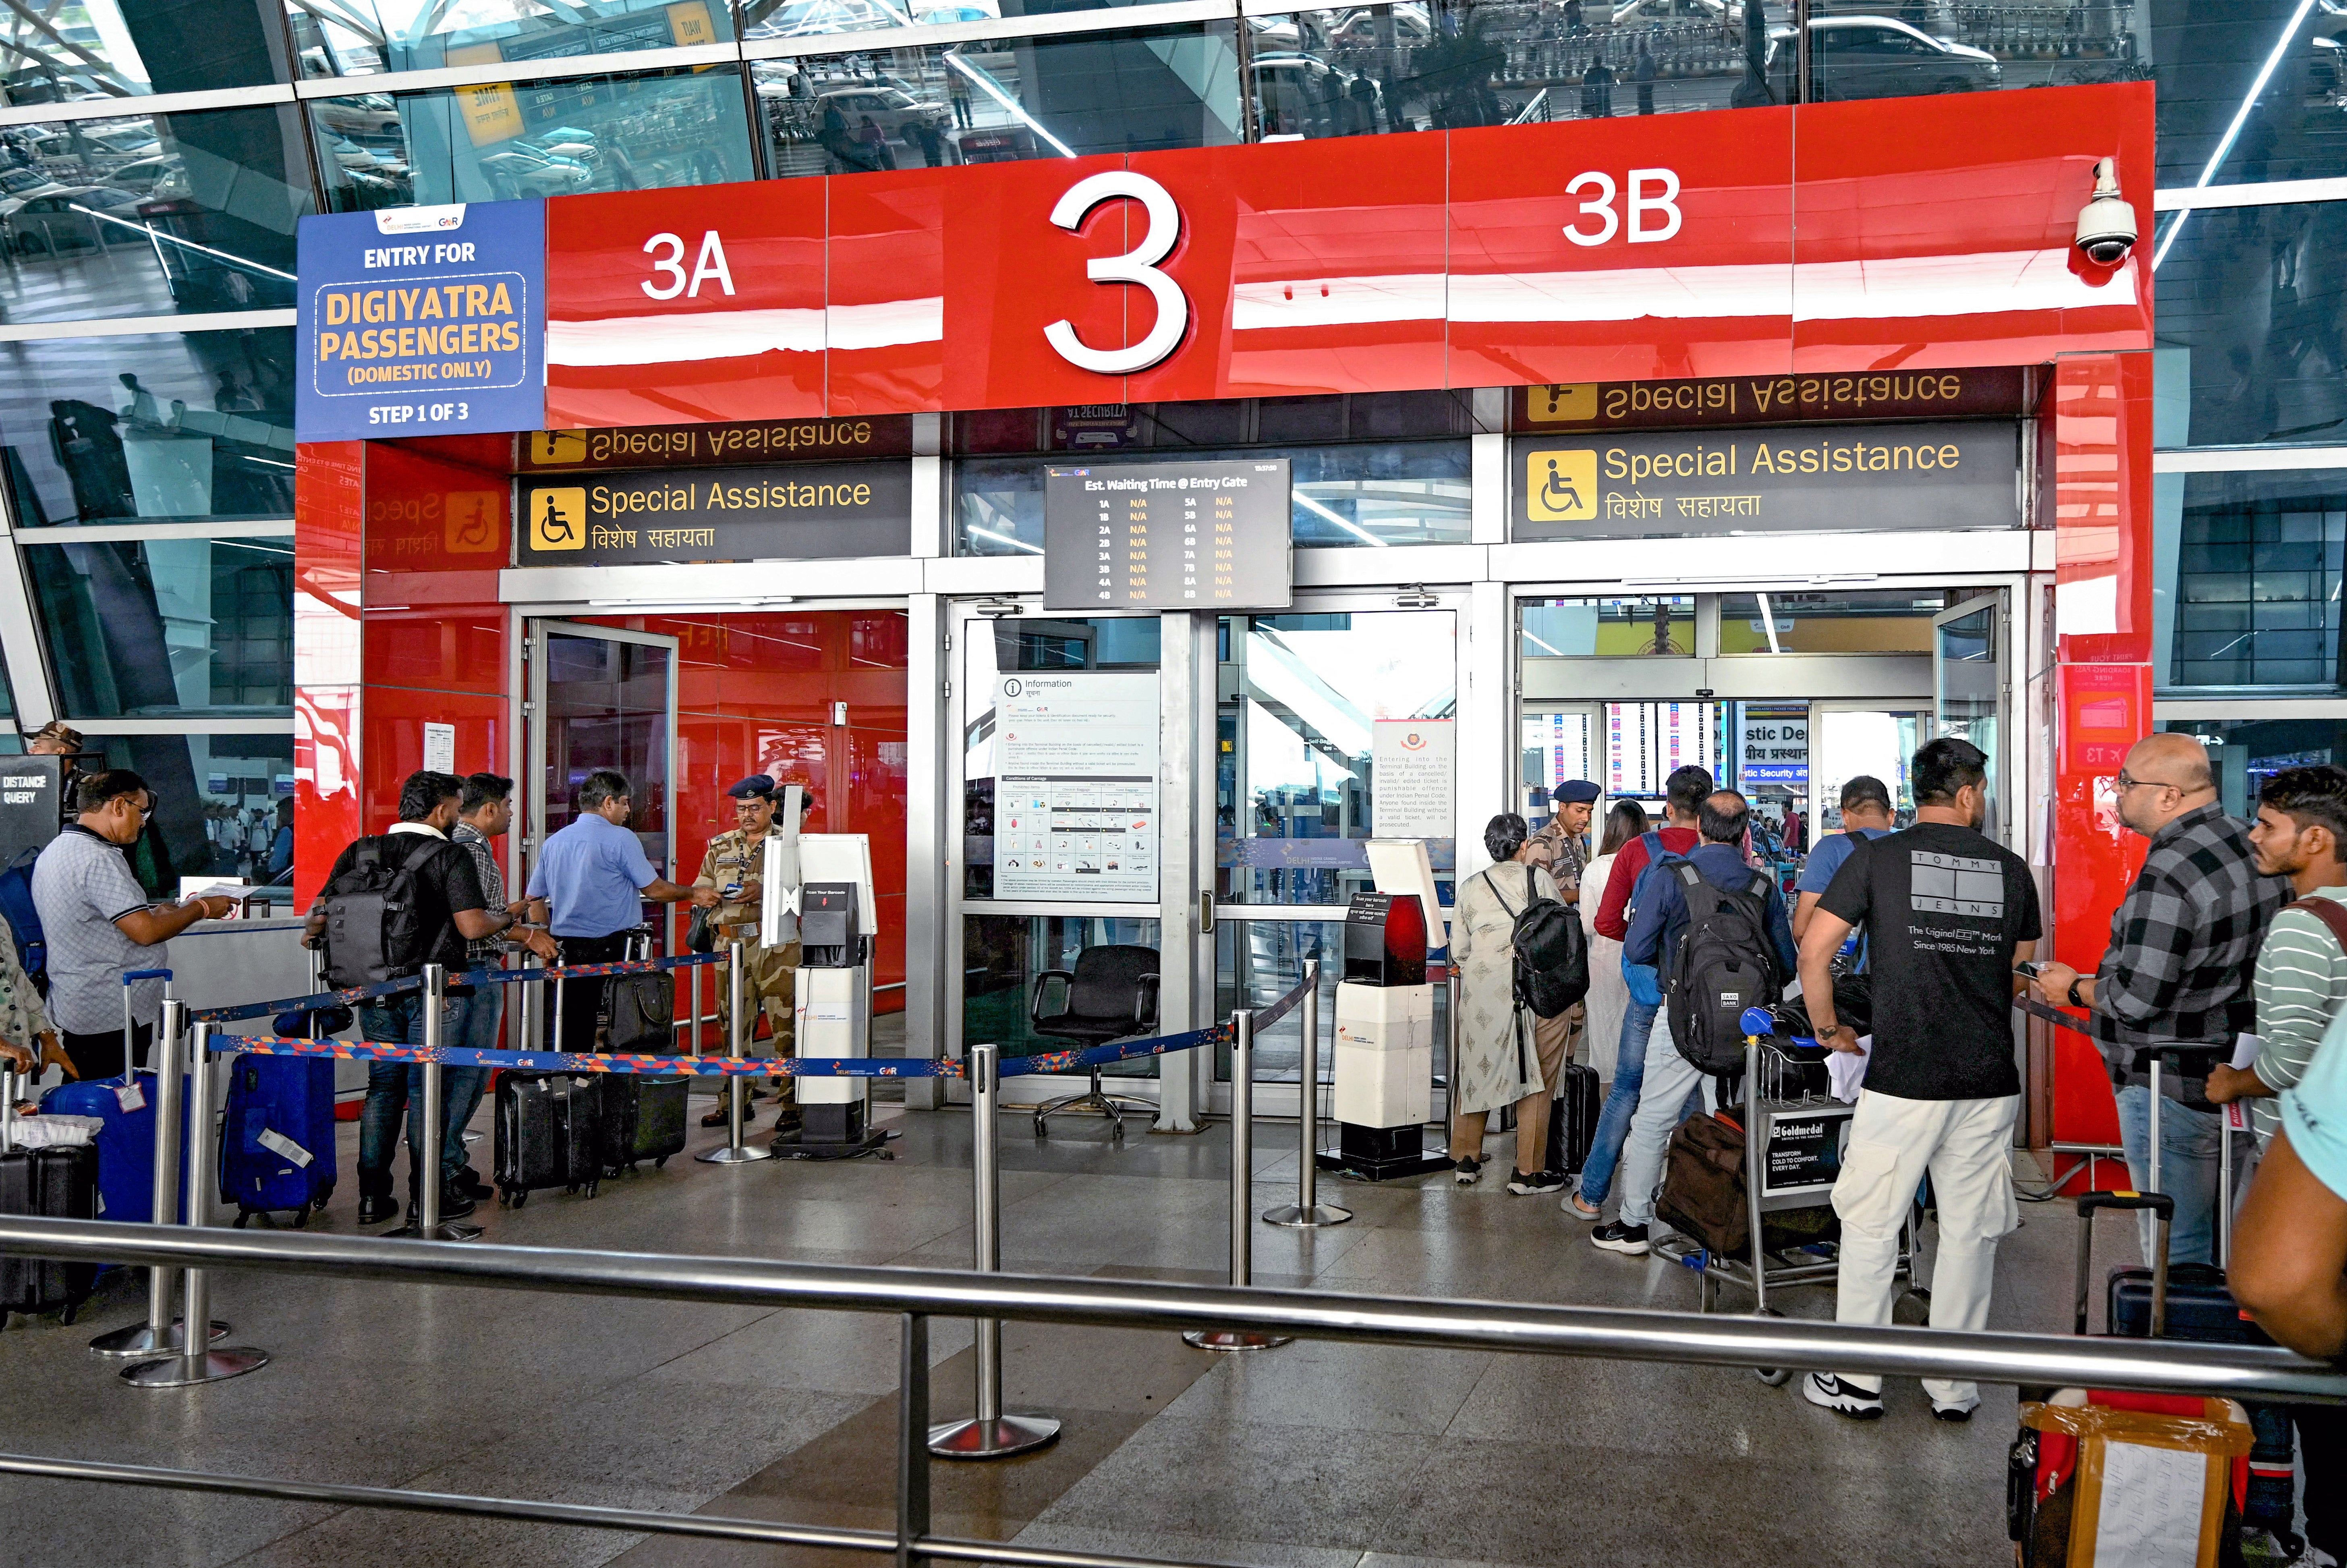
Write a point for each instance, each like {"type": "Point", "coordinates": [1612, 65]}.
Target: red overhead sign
{"type": "Point", "coordinates": [1902, 234]}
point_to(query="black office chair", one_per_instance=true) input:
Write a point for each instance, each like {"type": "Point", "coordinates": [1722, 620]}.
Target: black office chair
{"type": "Point", "coordinates": [1112, 994]}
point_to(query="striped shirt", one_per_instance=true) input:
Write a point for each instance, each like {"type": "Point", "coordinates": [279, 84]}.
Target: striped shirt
{"type": "Point", "coordinates": [2183, 944]}
{"type": "Point", "coordinates": [483, 952]}
{"type": "Point", "coordinates": [2302, 984]}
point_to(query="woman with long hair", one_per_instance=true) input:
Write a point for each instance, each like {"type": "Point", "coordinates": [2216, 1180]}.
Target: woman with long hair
{"type": "Point", "coordinates": [1608, 1000]}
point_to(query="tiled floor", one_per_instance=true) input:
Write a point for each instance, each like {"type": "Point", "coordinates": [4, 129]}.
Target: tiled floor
{"type": "Point", "coordinates": [1316, 1455]}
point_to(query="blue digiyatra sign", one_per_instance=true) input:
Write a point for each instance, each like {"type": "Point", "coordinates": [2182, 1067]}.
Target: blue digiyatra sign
{"type": "Point", "coordinates": [422, 321]}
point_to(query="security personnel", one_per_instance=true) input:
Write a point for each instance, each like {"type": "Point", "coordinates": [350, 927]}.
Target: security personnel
{"type": "Point", "coordinates": [733, 866]}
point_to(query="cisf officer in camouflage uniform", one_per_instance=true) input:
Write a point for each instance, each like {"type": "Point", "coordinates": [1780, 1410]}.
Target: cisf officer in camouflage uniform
{"type": "Point", "coordinates": [737, 860]}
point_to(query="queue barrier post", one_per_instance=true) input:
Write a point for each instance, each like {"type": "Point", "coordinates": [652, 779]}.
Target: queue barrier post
{"type": "Point", "coordinates": [1308, 1212]}
{"type": "Point", "coordinates": [424, 1164]}
{"type": "Point", "coordinates": [196, 1363]}
{"type": "Point", "coordinates": [161, 1332]}
{"type": "Point", "coordinates": [737, 1085]}
{"type": "Point", "coordinates": [988, 1433]}
{"type": "Point", "coordinates": [1242, 1191]}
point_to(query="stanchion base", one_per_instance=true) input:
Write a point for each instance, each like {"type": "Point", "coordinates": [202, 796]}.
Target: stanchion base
{"type": "Point", "coordinates": [447, 1230]}
{"type": "Point", "coordinates": [726, 1154]}
{"type": "Point", "coordinates": [173, 1371]}
{"type": "Point", "coordinates": [1289, 1216]}
{"type": "Point", "coordinates": [1233, 1339]}
{"type": "Point", "coordinates": [1387, 1170]}
{"type": "Point", "coordinates": [141, 1340]}
{"type": "Point", "coordinates": [998, 1439]}
{"type": "Point", "coordinates": [796, 1145]}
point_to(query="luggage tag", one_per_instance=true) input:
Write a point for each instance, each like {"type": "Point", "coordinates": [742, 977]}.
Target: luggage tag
{"type": "Point", "coordinates": [2237, 1117]}
{"type": "Point", "coordinates": [130, 1096]}
{"type": "Point", "coordinates": [284, 1148]}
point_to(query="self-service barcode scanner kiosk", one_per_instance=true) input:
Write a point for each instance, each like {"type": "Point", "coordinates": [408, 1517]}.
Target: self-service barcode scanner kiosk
{"type": "Point", "coordinates": [837, 916]}
{"type": "Point", "coordinates": [1384, 1057]}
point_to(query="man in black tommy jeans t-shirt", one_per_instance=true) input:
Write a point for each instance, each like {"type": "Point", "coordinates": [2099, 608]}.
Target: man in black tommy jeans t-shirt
{"type": "Point", "coordinates": [1948, 913]}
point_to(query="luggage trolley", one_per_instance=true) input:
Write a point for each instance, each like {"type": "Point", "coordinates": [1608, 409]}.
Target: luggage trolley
{"type": "Point", "coordinates": [1794, 1137]}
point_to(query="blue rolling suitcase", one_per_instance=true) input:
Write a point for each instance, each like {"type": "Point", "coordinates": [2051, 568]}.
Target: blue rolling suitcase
{"type": "Point", "coordinates": [277, 1137]}
{"type": "Point", "coordinates": [126, 1143]}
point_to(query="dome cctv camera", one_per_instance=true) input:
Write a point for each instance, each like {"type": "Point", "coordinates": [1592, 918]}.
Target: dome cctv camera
{"type": "Point", "coordinates": [2106, 223]}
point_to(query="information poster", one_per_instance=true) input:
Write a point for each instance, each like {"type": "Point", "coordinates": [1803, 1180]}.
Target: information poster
{"type": "Point", "coordinates": [1411, 788]}
{"type": "Point", "coordinates": [1075, 813]}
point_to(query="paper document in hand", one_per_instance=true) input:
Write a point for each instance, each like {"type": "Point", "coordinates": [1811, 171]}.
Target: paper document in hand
{"type": "Point", "coordinates": [2245, 1051]}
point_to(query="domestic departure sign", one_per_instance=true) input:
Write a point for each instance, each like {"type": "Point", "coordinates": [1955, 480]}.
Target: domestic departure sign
{"type": "Point", "coordinates": [422, 321]}
{"type": "Point", "coordinates": [1167, 536]}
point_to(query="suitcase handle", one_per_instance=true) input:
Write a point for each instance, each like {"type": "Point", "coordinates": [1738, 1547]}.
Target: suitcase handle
{"type": "Point", "coordinates": [2163, 1207]}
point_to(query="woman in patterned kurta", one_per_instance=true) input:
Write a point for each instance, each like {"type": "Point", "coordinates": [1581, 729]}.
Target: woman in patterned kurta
{"type": "Point", "coordinates": [1506, 1056]}
{"type": "Point", "coordinates": [27, 1040]}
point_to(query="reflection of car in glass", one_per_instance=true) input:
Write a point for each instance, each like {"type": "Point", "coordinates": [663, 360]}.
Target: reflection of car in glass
{"type": "Point", "coordinates": [51, 223]}
{"type": "Point", "coordinates": [163, 175]}
{"type": "Point", "coordinates": [518, 169]}
{"type": "Point", "coordinates": [1302, 95]}
{"type": "Point", "coordinates": [1650, 11]}
{"type": "Point", "coordinates": [800, 18]}
{"type": "Point", "coordinates": [893, 110]}
{"type": "Point", "coordinates": [1358, 30]}
{"type": "Point", "coordinates": [371, 114]}
{"type": "Point", "coordinates": [1879, 58]}
{"type": "Point", "coordinates": [579, 148]}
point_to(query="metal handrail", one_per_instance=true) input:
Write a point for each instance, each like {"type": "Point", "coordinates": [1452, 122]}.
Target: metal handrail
{"type": "Point", "coordinates": [2230, 1371]}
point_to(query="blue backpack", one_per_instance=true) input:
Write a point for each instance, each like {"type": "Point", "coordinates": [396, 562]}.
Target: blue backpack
{"type": "Point", "coordinates": [24, 919]}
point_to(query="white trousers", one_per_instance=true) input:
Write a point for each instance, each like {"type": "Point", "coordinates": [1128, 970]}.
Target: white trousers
{"type": "Point", "coordinates": [1967, 1147]}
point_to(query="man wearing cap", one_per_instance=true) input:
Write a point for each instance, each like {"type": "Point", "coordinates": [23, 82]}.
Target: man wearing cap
{"type": "Point", "coordinates": [733, 866]}
{"type": "Point", "coordinates": [1567, 834]}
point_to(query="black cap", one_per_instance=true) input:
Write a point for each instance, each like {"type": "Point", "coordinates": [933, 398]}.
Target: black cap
{"type": "Point", "coordinates": [1576, 792]}
{"type": "Point", "coordinates": [759, 786]}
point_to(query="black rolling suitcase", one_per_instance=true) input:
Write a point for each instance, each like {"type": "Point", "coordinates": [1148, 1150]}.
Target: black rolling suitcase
{"type": "Point", "coordinates": [1572, 1119]}
{"type": "Point", "coordinates": [549, 1133]}
{"type": "Point", "coordinates": [58, 1182]}
{"type": "Point", "coordinates": [643, 1119]}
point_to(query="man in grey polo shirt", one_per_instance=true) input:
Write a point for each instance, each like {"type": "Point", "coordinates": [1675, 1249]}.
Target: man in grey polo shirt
{"type": "Point", "coordinates": [99, 925]}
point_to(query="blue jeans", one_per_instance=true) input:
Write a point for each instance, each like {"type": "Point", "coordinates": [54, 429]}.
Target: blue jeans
{"type": "Point", "coordinates": [2188, 1170]}
{"type": "Point", "coordinates": [1621, 1104]}
{"type": "Point", "coordinates": [394, 1088]}
{"type": "Point", "coordinates": [482, 1013]}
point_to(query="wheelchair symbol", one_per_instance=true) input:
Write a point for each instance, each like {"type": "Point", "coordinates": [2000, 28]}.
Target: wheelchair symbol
{"type": "Point", "coordinates": [1558, 494]}
{"type": "Point", "coordinates": [1561, 485]}
{"type": "Point", "coordinates": [557, 517]}
{"type": "Point", "coordinates": [555, 528]}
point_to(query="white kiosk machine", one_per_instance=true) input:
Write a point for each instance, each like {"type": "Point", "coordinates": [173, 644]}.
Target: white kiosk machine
{"type": "Point", "coordinates": [1384, 1059]}
{"type": "Point", "coordinates": [832, 903]}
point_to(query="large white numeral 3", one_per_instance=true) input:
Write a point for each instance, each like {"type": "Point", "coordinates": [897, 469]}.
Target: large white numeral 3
{"type": "Point", "coordinates": [1137, 265]}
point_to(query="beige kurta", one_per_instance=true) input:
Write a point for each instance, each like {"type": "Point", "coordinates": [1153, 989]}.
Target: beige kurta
{"type": "Point", "coordinates": [1609, 993]}
{"type": "Point", "coordinates": [1493, 1070]}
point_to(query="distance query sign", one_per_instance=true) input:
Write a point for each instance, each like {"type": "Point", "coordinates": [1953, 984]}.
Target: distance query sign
{"type": "Point", "coordinates": [801, 511]}
{"type": "Point", "coordinates": [421, 320]}
{"type": "Point", "coordinates": [1948, 474]}
{"type": "Point", "coordinates": [1167, 536]}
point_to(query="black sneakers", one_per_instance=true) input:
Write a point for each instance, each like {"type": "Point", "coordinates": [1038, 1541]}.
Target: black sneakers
{"type": "Point", "coordinates": [1542, 1182]}
{"type": "Point", "coordinates": [1466, 1171]}
{"type": "Point", "coordinates": [1842, 1399]}
{"type": "Point", "coordinates": [1630, 1241]}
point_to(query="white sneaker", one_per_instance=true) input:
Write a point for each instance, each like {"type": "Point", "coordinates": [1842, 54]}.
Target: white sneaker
{"type": "Point", "coordinates": [1956, 1411]}
{"type": "Point", "coordinates": [1842, 1399]}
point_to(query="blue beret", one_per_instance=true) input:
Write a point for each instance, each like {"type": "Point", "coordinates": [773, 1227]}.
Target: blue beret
{"type": "Point", "coordinates": [1576, 792]}
{"type": "Point", "coordinates": [760, 786]}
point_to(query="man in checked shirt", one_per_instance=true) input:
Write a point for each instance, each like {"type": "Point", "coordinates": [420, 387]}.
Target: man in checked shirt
{"type": "Point", "coordinates": [2177, 978]}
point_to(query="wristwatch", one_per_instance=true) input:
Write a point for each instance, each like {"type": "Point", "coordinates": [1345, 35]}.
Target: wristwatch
{"type": "Point", "coordinates": [2075, 1000]}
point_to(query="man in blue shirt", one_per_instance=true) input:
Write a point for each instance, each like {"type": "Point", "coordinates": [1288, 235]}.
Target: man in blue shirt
{"type": "Point", "coordinates": [594, 874]}
{"type": "Point", "coordinates": [1656, 931]}
{"type": "Point", "coordinates": [1865, 813]}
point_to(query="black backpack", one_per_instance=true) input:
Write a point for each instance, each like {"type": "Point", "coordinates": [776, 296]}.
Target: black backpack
{"type": "Point", "coordinates": [1726, 963]}
{"type": "Point", "coordinates": [1551, 955]}
{"type": "Point", "coordinates": [374, 931]}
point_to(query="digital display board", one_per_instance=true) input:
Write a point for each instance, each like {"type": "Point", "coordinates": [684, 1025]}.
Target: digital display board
{"type": "Point", "coordinates": [1167, 536]}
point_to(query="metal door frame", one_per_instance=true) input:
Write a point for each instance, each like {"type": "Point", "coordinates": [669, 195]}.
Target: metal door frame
{"type": "Point", "coordinates": [2003, 773]}
{"type": "Point", "coordinates": [1281, 1101]}
{"type": "Point", "coordinates": [1819, 706]}
{"type": "Point", "coordinates": [530, 834]}
{"type": "Point", "coordinates": [1176, 910]}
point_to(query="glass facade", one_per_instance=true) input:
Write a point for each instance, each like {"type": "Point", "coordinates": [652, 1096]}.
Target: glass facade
{"type": "Point", "coordinates": [2256, 580]}
{"type": "Point", "coordinates": [103, 48]}
{"type": "Point", "coordinates": [2252, 327]}
{"type": "Point", "coordinates": [998, 101]}
{"type": "Point", "coordinates": [169, 426]}
{"type": "Point", "coordinates": [149, 628]}
{"type": "Point", "coordinates": [220, 802]}
{"type": "Point", "coordinates": [1887, 622]}
{"type": "Point", "coordinates": [507, 140]}
{"type": "Point", "coordinates": [2247, 753]}
{"type": "Point", "coordinates": [1608, 627]}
